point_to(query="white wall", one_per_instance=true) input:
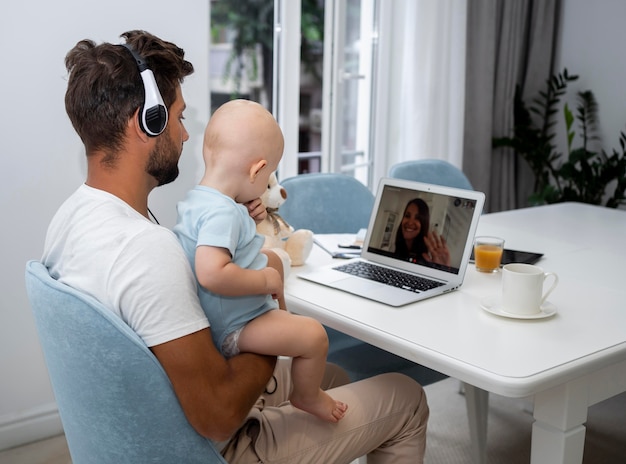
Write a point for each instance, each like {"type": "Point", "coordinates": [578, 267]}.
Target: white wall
{"type": "Point", "coordinates": [592, 46]}
{"type": "Point", "coordinates": [42, 162]}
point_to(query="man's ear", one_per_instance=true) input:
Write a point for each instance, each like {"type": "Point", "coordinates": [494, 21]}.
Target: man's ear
{"type": "Point", "coordinates": [256, 168]}
{"type": "Point", "coordinates": [133, 125]}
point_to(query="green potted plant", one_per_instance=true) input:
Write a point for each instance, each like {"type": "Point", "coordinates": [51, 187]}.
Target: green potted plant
{"type": "Point", "coordinates": [581, 174]}
{"type": "Point", "coordinates": [251, 25]}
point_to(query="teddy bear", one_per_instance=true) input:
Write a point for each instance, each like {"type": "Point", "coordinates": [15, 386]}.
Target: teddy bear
{"type": "Point", "coordinates": [292, 246]}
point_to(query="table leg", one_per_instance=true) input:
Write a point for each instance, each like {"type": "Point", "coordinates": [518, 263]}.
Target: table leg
{"type": "Point", "coordinates": [558, 434]}
{"type": "Point", "coordinates": [477, 402]}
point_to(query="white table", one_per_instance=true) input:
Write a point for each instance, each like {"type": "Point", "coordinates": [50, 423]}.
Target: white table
{"type": "Point", "coordinates": [566, 363]}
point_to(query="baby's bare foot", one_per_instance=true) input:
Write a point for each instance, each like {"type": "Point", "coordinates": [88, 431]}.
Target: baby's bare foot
{"type": "Point", "coordinates": [322, 406]}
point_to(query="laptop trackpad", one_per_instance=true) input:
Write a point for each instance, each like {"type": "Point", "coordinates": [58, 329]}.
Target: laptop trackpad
{"type": "Point", "coordinates": [358, 286]}
{"type": "Point", "coordinates": [376, 291]}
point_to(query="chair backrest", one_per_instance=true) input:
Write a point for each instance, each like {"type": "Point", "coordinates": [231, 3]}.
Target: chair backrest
{"type": "Point", "coordinates": [327, 203]}
{"type": "Point", "coordinates": [431, 171]}
{"type": "Point", "coordinates": [115, 401]}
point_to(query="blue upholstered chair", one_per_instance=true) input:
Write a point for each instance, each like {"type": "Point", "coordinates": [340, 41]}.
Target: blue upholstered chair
{"type": "Point", "coordinates": [327, 203]}
{"type": "Point", "coordinates": [337, 203]}
{"type": "Point", "coordinates": [431, 171]}
{"type": "Point", "coordinates": [116, 403]}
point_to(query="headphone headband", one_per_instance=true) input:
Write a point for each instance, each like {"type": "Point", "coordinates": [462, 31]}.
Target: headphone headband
{"type": "Point", "coordinates": [153, 113]}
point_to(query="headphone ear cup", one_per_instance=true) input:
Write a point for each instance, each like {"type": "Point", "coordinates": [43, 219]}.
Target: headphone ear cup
{"type": "Point", "coordinates": [154, 120]}
{"type": "Point", "coordinates": [153, 113]}
{"type": "Point", "coordinates": [153, 116]}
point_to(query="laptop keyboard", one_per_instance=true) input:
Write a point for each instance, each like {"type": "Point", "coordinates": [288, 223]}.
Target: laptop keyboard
{"type": "Point", "coordinates": [388, 276]}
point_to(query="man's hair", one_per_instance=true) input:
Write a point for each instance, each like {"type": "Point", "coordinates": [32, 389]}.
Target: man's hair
{"type": "Point", "coordinates": [105, 88]}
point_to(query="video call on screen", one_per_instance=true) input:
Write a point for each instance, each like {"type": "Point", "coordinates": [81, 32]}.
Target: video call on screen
{"type": "Point", "coordinates": [449, 216]}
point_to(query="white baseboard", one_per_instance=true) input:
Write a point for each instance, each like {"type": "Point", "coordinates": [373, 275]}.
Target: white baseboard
{"type": "Point", "coordinates": [32, 425]}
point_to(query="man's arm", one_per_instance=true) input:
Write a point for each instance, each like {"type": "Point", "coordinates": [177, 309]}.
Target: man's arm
{"type": "Point", "coordinates": [216, 394]}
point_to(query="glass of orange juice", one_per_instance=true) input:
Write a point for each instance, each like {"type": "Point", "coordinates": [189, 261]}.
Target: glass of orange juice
{"type": "Point", "coordinates": [488, 253]}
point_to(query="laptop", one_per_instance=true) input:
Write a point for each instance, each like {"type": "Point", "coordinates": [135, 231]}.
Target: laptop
{"type": "Point", "coordinates": [415, 274]}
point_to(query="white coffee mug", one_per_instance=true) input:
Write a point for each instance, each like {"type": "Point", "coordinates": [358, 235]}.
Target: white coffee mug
{"type": "Point", "coordinates": [522, 288]}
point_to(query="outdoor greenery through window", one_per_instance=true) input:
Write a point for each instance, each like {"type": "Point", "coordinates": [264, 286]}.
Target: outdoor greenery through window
{"type": "Point", "coordinates": [241, 66]}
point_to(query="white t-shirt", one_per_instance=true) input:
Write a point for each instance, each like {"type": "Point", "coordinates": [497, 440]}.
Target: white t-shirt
{"type": "Point", "coordinates": [98, 244]}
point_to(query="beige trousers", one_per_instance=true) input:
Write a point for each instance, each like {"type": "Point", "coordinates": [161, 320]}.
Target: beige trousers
{"type": "Point", "coordinates": [386, 420]}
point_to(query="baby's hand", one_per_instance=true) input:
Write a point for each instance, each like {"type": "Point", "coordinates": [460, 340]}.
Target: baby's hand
{"type": "Point", "coordinates": [256, 210]}
{"type": "Point", "coordinates": [273, 283]}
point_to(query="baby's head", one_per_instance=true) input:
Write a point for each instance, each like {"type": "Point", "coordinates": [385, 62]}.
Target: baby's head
{"type": "Point", "coordinates": [243, 141]}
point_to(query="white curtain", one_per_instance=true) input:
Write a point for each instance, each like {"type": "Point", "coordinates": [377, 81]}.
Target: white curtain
{"type": "Point", "coordinates": [426, 83]}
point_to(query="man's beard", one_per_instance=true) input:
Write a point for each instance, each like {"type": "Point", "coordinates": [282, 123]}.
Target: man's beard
{"type": "Point", "coordinates": [163, 162]}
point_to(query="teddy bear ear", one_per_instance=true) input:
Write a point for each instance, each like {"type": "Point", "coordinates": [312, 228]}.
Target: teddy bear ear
{"type": "Point", "coordinates": [272, 181]}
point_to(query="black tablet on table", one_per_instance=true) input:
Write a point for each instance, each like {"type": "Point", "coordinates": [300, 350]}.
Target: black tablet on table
{"type": "Point", "coordinates": [516, 256]}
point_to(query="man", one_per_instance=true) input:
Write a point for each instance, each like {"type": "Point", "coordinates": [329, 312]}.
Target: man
{"type": "Point", "coordinates": [102, 242]}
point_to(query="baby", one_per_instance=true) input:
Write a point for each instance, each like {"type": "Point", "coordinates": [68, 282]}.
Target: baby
{"type": "Point", "coordinates": [239, 282]}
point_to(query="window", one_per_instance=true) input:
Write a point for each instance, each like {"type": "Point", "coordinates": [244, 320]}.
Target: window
{"type": "Point", "coordinates": [324, 105]}
{"type": "Point", "coordinates": [349, 78]}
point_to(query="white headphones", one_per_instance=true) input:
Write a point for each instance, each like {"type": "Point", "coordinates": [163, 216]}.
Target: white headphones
{"type": "Point", "coordinates": [153, 113]}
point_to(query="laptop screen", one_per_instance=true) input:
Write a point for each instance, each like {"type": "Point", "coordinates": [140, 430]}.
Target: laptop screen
{"type": "Point", "coordinates": [407, 221]}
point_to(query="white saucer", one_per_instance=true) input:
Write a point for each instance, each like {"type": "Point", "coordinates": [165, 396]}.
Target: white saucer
{"type": "Point", "coordinates": [493, 305]}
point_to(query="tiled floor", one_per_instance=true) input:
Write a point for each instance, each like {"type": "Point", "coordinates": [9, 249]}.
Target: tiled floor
{"type": "Point", "coordinates": [51, 451]}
